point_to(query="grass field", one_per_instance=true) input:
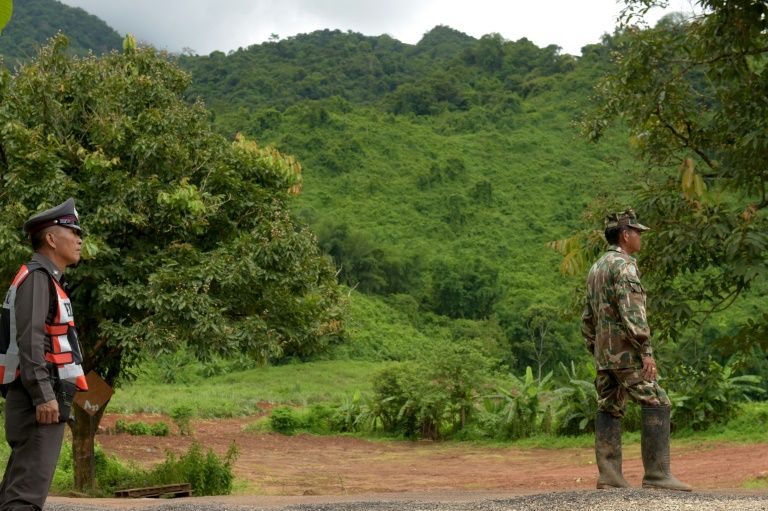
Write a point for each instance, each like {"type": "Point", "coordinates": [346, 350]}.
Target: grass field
{"type": "Point", "coordinates": [240, 392]}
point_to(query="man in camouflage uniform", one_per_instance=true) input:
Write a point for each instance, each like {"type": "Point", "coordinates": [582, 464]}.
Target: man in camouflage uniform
{"type": "Point", "coordinates": [616, 332]}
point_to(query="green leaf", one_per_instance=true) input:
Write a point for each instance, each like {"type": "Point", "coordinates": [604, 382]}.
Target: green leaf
{"type": "Point", "coordinates": [6, 11]}
{"type": "Point", "coordinates": [528, 376]}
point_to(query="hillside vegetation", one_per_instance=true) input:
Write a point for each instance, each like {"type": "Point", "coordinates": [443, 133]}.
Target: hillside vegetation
{"type": "Point", "coordinates": [434, 175]}
{"type": "Point", "coordinates": [35, 21]}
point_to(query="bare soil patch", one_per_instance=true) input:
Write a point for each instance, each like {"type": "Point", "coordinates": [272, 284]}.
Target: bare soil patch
{"type": "Point", "coordinates": [273, 464]}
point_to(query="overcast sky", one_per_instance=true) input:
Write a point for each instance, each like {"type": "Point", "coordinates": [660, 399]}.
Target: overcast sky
{"type": "Point", "coordinates": [208, 25]}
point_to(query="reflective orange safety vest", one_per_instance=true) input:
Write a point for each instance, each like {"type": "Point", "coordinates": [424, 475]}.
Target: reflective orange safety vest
{"type": "Point", "coordinates": [65, 354]}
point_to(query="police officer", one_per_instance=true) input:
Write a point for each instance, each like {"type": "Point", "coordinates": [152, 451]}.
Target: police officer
{"type": "Point", "coordinates": [616, 331]}
{"type": "Point", "coordinates": [39, 358]}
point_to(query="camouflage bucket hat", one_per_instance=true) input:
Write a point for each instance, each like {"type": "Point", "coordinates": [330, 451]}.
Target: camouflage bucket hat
{"type": "Point", "coordinates": [626, 218]}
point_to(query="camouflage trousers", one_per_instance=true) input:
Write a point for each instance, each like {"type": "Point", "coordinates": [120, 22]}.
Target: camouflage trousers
{"type": "Point", "coordinates": [615, 386]}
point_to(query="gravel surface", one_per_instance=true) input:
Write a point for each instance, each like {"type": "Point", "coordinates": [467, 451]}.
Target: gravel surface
{"type": "Point", "coordinates": [605, 500]}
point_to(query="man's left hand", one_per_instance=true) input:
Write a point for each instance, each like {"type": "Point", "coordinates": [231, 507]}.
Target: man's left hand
{"type": "Point", "coordinates": [649, 368]}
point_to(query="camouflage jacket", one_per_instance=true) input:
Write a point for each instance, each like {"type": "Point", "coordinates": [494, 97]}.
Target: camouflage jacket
{"type": "Point", "coordinates": [614, 323]}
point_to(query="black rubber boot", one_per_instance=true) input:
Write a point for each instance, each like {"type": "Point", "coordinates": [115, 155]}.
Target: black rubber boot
{"type": "Point", "coordinates": [608, 451]}
{"type": "Point", "coordinates": [655, 448]}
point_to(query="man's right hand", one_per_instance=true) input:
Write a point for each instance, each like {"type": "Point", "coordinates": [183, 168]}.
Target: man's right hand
{"type": "Point", "coordinates": [48, 412]}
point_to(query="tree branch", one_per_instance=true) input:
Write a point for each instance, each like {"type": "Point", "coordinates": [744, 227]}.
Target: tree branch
{"type": "Point", "coordinates": [722, 305]}
{"type": "Point", "coordinates": [728, 55]}
{"type": "Point", "coordinates": [686, 141]}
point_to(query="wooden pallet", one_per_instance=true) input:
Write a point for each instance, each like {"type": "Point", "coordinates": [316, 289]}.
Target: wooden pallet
{"type": "Point", "coordinates": [165, 491]}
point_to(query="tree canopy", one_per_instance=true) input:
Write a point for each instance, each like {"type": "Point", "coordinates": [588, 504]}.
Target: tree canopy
{"type": "Point", "coordinates": [692, 93]}
{"type": "Point", "coordinates": [189, 241]}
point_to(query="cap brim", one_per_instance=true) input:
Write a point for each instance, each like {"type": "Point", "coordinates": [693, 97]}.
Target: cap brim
{"type": "Point", "coordinates": [640, 227]}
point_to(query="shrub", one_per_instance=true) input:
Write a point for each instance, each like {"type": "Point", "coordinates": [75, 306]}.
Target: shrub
{"type": "Point", "coordinates": [430, 397]}
{"type": "Point", "coordinates": [160, 429]}
{"type": "Point", "coordinates": [354, 414]}
{"type": "Point", "coordinates": [207, 473]}
{"type": "Point", "coordinates": [140, 428]}
{"type": "Point", "coordinates": [317, 419]}
{"type": "Point", "coordinates": [110, 472]}
{"type": "Point", "coordinates": [284, 420]}
{"type": "Point", "coordinates": [181, 416]}
{"type": "Point", "coordinates": [702, 398]}
{"type": "Point", "coordinates": [577, 400]}
{"type": "Point", "coordinates": [168, 366]}
{"type": "Point", "coordinates": [260, 425]}
{"type": "Point", "coordinates": [389, 397]}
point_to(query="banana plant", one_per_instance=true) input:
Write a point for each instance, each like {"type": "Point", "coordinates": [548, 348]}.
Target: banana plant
{"type": "Point", "coordinates": [577, 400]}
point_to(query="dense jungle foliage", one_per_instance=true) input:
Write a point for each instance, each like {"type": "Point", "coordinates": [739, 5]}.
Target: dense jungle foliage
{"type": "Point", "coordinates": [437, 173]}
{"type": "Point", "coordinates": [432, 173]}
{"type": "Point", "coordinates": [435, 176]}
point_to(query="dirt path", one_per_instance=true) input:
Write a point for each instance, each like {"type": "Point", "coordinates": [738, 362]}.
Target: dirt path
{"type": "Point", "coordinates": [272, 464]}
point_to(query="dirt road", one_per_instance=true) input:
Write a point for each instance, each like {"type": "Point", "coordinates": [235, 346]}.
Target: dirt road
{"type": "Point", "coordinates": [272, 464]}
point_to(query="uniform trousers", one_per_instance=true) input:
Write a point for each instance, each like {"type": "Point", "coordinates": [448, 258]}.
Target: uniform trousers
{"type": "Point", "coordinates": [615, 386]}
{"type": "Point", "coordinates": [35, 451]}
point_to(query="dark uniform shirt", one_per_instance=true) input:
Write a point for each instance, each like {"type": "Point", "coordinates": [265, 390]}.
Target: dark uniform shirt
{"type": "Point", "coordinates": [33, 302]}
{"type": "Point", "coordinates": [614, 324]}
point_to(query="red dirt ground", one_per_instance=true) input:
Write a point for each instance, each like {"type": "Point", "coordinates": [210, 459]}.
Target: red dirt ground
{"type": "Point", "coordinates": [273, 464]}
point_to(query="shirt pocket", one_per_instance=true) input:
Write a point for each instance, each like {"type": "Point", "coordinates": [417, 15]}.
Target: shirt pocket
{"type": "Point", "coordinates": [637, 292]}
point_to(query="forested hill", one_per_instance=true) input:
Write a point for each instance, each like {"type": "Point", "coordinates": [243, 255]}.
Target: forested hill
{"type": "Point", "coordinates": [35, 21]}
{"type": "Point", "coordinates": [447, 69]}
{"type": "Point", "coordinates": [435, 173]}
{"type": "Point", "coordinates": [319, 65]}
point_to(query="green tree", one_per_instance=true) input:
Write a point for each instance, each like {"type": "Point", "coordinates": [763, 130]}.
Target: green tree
{"type": "Point", "coordinates": [488, 53]}
{"type": "Point", "coordinates": [189, 239]}
{"type": "Point", "coordinates": [692, 93]}
{"type": "Point", "coordinates": [362, 263]}
{"type": "Point", "coordinates": [417, 99]}
{"type": "Point", "coordinates": [434, 393]}
{"type": "Point", "coordinates": [541, 322]}
{"type": "Point", "coordinates": [464, 289]}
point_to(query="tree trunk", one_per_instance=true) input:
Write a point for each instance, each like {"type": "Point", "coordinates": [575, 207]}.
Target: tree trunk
{"type": "Point", "coordinates": [83, 433]}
